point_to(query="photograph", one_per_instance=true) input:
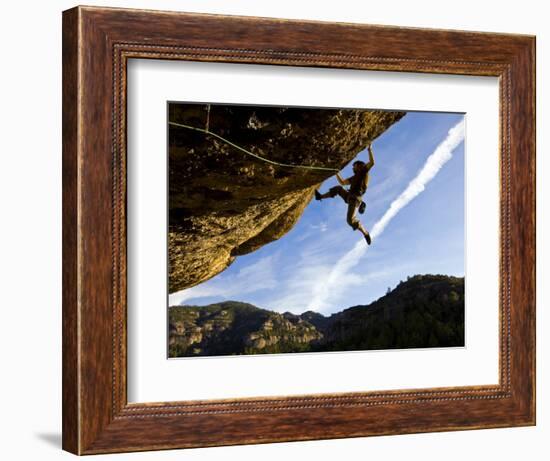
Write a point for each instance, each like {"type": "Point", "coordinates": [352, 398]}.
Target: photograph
{"type": "Point", "coordinates": [313, 229]}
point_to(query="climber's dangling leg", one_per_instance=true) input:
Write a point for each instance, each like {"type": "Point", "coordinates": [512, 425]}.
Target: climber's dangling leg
{"type": "Point", "coordinates": [353, 202]}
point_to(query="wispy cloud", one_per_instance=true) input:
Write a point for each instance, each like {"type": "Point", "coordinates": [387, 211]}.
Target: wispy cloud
{"type": "Point", "coordinates": [321, 227]}
{"type": "Point", "coordinates": [305, 283]}
{"type": "Point", "coordinates": [255, 277]}
{"type": "Point", "coordinates": [341, 276]}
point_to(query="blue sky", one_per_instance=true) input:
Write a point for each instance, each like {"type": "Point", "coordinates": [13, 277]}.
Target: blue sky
{"type": "Point", "coordinates": [323, 265]}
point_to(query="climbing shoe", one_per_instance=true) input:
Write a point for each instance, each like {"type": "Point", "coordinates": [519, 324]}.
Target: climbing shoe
{"type": "Point", "coordinates": [317, 195]}
{"type": "Point", "coordinates": [367, 238]}
{"type": "Point", "coordinates": [362, 207]}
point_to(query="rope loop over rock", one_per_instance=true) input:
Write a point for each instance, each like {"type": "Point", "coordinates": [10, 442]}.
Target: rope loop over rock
{"type": "Point", "coordinates": [258, 157]}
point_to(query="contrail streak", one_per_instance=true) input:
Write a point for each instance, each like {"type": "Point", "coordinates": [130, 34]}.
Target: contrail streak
{"type": "Point", "coordinates": [441, 155]}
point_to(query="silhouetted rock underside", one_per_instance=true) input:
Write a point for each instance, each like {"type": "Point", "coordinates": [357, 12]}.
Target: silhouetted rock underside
{"type": "Point", "coordinates": [223, 203]}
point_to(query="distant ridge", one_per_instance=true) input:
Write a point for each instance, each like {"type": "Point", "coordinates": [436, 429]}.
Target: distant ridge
{"type": "Point", "coordinates": [423, 311]}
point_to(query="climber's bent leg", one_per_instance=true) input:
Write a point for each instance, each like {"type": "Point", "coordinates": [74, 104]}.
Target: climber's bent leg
{"type": "Point", "coordinates": [339, 190]}
{"type": "Point", "coordinates": [333, 192]}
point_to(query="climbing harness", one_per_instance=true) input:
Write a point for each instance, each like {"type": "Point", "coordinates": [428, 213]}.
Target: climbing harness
{"type": "Point", "coordinates": [272, 162]}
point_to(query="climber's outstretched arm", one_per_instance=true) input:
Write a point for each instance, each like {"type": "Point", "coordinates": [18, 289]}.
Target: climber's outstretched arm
{"type": "Point", "coordinates": [370, 164]}
{"type": "Point", "coordinates": [371, 159]}
{"type": "Point", "coordinates": [342, 181]}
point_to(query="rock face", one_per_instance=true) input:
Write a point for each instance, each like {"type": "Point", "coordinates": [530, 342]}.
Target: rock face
{"type": "Point", "coordinates": [224, 203]}
{"type": "Point", "coordinates": [424, 311]}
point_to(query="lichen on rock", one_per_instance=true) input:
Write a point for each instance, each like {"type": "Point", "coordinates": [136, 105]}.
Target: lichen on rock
{"type": "Point", "coordinates": [224, 203]}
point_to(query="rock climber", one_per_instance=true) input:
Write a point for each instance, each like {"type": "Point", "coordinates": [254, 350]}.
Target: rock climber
{"type": "Point", "coordinates": [353, 196]}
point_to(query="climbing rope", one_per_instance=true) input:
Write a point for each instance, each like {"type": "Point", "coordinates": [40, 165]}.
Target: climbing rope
{"type": "Point", "coordinates": [208, 132]}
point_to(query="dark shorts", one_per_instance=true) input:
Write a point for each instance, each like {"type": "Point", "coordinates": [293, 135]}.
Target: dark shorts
{"type": "Point", "coordinates": [353, 202]}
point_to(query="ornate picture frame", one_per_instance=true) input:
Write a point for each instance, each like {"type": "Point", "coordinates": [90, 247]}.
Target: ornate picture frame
{"type": "Point", "coordinates": [97, 44]}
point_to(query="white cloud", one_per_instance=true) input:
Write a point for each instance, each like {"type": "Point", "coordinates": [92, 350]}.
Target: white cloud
{"type": "Point", "coordinates": [307, 280]}
{"type": "Point", "coordinates": [256, 277]}
{"type": "Point", "coordinates": [321, 227]}
{"type": "Point", "coordinates": [340, 276]}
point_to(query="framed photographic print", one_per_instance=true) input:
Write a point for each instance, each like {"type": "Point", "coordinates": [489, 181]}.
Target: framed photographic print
{"type": "Point", "coordinates": [280, 230]}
